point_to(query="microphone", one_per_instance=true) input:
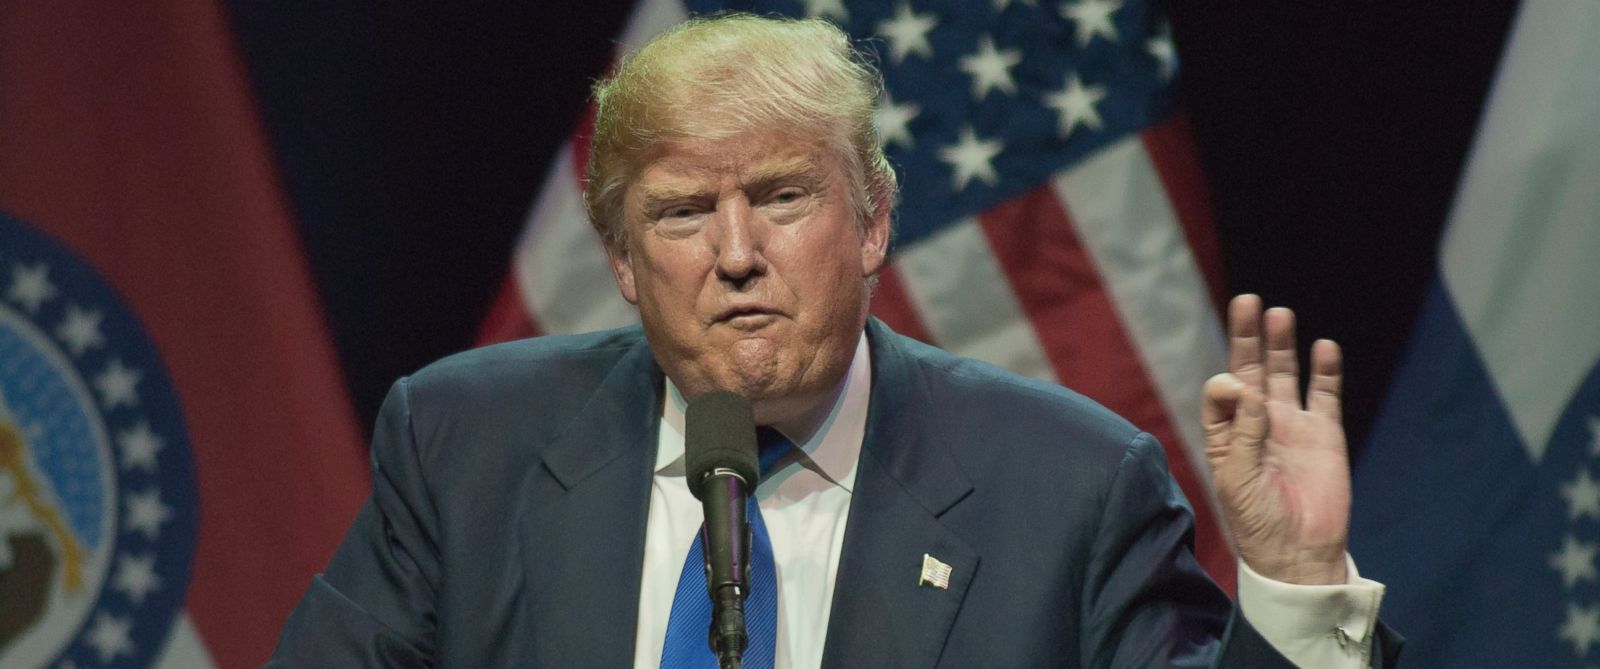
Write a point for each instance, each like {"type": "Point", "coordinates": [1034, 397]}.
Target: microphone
{"type": "Point", "coordinates": [720, 456]}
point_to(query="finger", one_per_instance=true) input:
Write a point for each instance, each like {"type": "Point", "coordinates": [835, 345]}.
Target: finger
{"type": "Point", "coordinates": [1250, 420]}
{"type": "Point", "coordinates": [1244, 338]}
{"type": "Point", "coordinates": [1327, 375]}
{"type": "Point", "coordinates": [1220, 402]}
{"type": "Point", "coordinates": [1283, 368]}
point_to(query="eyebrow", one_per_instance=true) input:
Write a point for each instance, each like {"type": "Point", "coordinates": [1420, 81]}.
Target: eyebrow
{"type": "Point", "coordinates": [799, 168]}
{"type": "Point", "coordinates": [655, 195]}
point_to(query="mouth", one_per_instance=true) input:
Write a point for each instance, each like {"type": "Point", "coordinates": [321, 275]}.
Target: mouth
{"type": "Point", "coordinates": [747, 317]}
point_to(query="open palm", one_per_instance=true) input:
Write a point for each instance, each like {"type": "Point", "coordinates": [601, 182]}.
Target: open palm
{"type": "Point", "coordinates": [1279, 462]}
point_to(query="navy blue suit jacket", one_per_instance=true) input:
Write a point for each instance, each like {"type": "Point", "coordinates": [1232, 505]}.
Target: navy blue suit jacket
{"type": "Point", "coordinates": [511, 483]}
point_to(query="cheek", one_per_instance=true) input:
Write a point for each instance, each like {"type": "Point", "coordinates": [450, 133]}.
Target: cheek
{"type": "Point", "coordinates": [829, 280]}
{"type": "Point", "coordinates": [668, 274]}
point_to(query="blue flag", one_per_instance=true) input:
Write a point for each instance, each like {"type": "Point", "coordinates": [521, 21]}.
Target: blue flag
{"type": "Point", "coordinates": [1478, 498]}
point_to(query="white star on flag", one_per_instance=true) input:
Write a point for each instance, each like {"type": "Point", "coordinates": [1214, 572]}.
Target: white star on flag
{"type": "Point", "coordinates": [907, 33]}
{"type": "Point", "coordinates": [1582, 627]}
{"type": "Point", "coordinates": [1583, 497]}
{"type": "Point", "coordinates": [1575, 561]}
{"type": "Point", "coordinates": [1074, 104]}
{"type": "Point", "coordinates": [833, 9]}
{"type": "Point", "coordinates": [118, 385]}
{"type": "Point", "coordinates": [139, 447]}
{"type": "Point", "coordinates": [891, 121]}
{"type": "Point", "coordinates": [110, 637]}
{"type": "Point", "coordinates": [136, 577]}
{"type": "Point", "coordinates": [971, 157]}
{"type": "Point", "coordinates": [1160, 48]}
{"type": "Point", "coordinates": [146, 513]}
{"type": "Point", "coordinates": [990, 68]}
{"type": "Point", "coordinates": [80, 329]}
{"type": "Point", "coordinates": [30, 286]}
{"type": "Point", "coordinates": [1092, 17]}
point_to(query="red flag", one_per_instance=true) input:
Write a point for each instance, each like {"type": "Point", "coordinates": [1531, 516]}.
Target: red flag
{"type": "Point", "coordinates": [131, 155]}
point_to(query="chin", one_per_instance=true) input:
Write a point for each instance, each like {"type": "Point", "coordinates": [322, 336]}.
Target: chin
{"type": "Point", "coordinates": [760, 383]}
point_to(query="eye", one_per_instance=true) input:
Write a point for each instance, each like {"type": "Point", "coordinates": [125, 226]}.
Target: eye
{"type": "Point", "coordinates": [786, 196]}
{"type": "Point", "coordinates": [679, 211]}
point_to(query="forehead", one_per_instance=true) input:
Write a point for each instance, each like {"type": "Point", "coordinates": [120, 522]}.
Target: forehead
{"type": "Point", "coordinates": [743, 159]}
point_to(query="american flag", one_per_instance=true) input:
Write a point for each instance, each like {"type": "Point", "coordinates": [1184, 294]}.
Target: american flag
{"type": "Point", "coordinates": [1053, 219]}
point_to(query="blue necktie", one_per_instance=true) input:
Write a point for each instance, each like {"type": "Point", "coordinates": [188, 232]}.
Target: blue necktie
{"type": "Point", "coordinates": [687, 628]}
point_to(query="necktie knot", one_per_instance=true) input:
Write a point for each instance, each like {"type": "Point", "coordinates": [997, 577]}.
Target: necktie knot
{"type": "Point", "coordinates": [771, 447]}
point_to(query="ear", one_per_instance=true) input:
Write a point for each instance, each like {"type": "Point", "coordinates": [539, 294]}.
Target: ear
{"type": "Point", "coordinates": [622, 269]}
{"type": "Point", "coordinates": [875, 243]}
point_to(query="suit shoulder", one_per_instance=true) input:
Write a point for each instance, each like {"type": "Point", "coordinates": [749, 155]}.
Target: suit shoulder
{"type": "Point", "coordinates": [566, 357]}
{"type": "Point", "coordinates": [1005, 425]}
{"type": "Point", "coordinates": [551, 370]}
{"type": "Point", "coordinates": [987, 392]}
{"type": "Point", "coordinates": [500, 398]}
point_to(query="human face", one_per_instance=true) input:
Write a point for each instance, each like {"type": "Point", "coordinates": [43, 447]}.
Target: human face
{"type": "Point", "coordinates": [749, 268]}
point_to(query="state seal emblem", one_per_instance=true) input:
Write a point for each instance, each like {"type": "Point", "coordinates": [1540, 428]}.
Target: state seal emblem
{"type": "Point", "coordinates": [98, 507]}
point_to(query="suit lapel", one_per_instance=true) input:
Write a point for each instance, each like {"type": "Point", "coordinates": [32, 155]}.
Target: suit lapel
{"type": "Point", "coordinates": [882, 616]}
{"type": "Point", "coordinates": [582, 533]}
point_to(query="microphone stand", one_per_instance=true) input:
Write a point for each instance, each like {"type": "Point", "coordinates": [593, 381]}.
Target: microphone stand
{"type": "Point", "coordinates": [723, 469]}
{"type": "Point", "coordinates": [727, 564]}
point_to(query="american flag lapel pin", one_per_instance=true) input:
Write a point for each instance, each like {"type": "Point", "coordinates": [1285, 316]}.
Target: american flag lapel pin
{"type": "Point", "coordinates": [934, 573]}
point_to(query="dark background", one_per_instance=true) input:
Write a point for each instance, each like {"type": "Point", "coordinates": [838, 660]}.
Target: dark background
{"type": "Point", "coordinates": [413, 136]}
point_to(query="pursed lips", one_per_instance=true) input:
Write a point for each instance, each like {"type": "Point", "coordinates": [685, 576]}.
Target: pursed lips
{"type": "Point", "coordinates": [746, 315]}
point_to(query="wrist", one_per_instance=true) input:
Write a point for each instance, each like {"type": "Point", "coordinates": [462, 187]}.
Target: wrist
{"type": "Point", "coordinates": [1319, 568]}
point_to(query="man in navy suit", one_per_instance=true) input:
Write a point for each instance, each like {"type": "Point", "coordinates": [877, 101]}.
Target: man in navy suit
{"type": "Point", "coordinates": [529, 501]}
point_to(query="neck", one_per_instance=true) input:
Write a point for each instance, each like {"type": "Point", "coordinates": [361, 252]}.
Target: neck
{"type": "Point", "coordinates": [802, 425]}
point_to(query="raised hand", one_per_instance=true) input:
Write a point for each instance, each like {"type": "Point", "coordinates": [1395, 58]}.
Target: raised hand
{"type": "Point", "coordinates": [1279, 464]}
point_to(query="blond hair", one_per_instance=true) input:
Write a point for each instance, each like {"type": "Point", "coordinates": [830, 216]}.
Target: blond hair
{"type": "Point", "coordinates": [726, 75]}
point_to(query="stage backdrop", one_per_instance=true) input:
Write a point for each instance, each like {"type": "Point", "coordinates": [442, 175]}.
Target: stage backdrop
{"type": "Point", "coordinates": [226, 228]}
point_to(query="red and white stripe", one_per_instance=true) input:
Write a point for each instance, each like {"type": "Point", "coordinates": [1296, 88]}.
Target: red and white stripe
{"type": "Point", "coordinates": [1106, 279]}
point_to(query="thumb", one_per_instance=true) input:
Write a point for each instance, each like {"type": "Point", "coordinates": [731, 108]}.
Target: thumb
{"type": "Point", "coordinates": [1220, 399]}
{"type": "Point", "coordinates": [1243, 450]}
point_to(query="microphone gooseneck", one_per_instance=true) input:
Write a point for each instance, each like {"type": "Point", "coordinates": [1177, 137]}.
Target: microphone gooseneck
{"type": "Point", "coordinates": [720, 459]}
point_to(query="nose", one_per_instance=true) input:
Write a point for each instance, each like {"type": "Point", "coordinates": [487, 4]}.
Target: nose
{"type": "Point", "coordinates": [739, 248]}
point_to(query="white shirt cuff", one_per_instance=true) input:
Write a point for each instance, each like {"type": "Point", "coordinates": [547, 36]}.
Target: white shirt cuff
{"type": "Point", "coordinates": [1313, 625]}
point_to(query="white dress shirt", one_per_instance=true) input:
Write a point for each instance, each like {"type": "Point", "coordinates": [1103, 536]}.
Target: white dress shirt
{"type": "Point", "coordinates": [806, 504]}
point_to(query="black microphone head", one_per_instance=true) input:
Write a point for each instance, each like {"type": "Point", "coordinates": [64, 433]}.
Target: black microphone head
{"type": "Point", "coordinates": [719, 432]}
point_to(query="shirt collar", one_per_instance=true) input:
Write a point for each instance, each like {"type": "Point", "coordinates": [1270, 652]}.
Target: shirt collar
{"type": "Point", "coordinates": [833, 448]}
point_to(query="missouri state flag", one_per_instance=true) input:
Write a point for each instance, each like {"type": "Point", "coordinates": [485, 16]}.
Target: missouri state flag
{"type": "Point", "coordinates": [177, 454]}
{"type": "Point", "coordinates": [1478, 496]}
{"type": "Point", "coordinates": [1053, 219]}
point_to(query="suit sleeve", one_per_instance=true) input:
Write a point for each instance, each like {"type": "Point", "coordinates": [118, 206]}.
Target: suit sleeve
{"type": "Point", "coordinates": [375, 605]}
{"type": "Point", "coordinates": [1148, 603]}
